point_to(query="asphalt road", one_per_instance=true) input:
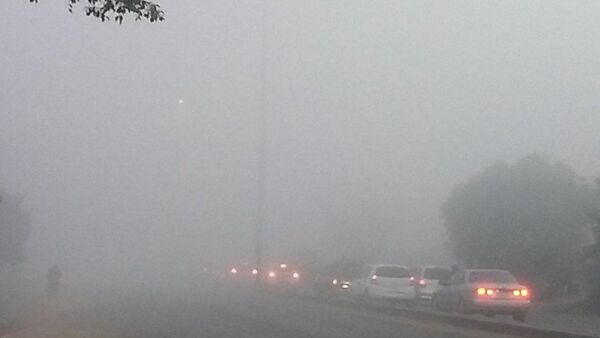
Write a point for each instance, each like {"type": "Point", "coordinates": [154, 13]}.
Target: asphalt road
{"type": "Point", "coordinates": [230, 312]}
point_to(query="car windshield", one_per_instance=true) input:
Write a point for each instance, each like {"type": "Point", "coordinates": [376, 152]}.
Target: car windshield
{"type": "Point", "coordinates": [491, 276]}
{"type": "Point", "coordinates": [436, 274]}
{"type": "Point", "coordinates": [392, 272]}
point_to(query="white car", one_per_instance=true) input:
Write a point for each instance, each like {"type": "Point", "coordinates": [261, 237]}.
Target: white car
{"type": "Point", "coordinates": [426, 280]}
{"type": "Point", "coordinates": [487, 291]}
{"type": "Point", "coordinates": [384, 281]}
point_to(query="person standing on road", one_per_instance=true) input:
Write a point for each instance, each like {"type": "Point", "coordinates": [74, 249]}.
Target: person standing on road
{"type": "Point", "coordinates": [54, 275]}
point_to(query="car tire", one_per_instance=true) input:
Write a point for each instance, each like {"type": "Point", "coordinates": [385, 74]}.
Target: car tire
{"type": "Point", "coordinates": [519, 316]}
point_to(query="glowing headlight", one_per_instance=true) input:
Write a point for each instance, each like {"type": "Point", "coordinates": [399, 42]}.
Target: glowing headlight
{"type": "Point", "coordinates": [271, 274]}
{"type": "Point", "coordinates": [234, 271]}
{"type": "Point", "coordinates": [345, 286]}
{"type": "Point", "coordinates": [254, 271]}
{"type": "Point", "coordinates": [334, 282]}
{"type": "Point", "coordinates": [296, 275]}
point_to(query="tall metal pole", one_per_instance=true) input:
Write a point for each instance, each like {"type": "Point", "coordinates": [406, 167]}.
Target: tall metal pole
{"type": "Point", "coordinates": [261, 146]}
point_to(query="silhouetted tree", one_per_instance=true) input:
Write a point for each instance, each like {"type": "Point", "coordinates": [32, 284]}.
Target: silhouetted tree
{"type": "Point", "coordinates": [117, 9]}
{"type": "Point", "coordinates": [526, 218]}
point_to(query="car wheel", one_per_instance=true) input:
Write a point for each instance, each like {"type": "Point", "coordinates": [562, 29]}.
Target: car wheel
{"type": "Point", "coordinates": [519, 316]}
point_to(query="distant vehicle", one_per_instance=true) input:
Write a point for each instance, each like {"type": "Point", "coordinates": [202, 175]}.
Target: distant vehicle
{"type": "Point", "coordinates": [484, 291]}
{"type": "Point", "coordinates": [335, 278]}
{"type": "Point", "coordinates": [384, 281]}
{"type": "Point", "coordinates": [283, 275]}
{"type": "Point", "coordinates": [426, 280]}
{"type": "Point", "coordinates": [240, 272]}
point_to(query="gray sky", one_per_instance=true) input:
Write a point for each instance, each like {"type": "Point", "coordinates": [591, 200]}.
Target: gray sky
{"type": "Point", "coordinates": [375, 109]}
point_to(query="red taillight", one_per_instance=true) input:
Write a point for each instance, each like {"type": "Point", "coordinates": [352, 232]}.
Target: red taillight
{"type": "Point", "coordinates": [422, 282]}
{"type": "Point", "coordinates": [485, 292]}
{"type": "Point", "coordinates": [521, 293]}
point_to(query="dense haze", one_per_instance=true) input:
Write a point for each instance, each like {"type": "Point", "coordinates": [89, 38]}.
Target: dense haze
{"type": "Point", "coordinates": [374, 109]}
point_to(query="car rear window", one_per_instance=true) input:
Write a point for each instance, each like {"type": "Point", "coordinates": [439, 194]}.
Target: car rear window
{"type": "Point", "coordinates": [436, 274]}
{"type": "Point", "coordinates": [392, 272]}
{"type": "Point", "coordinates": [491, 276]}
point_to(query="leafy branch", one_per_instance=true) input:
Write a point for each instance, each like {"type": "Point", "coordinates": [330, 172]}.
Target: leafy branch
{"type": "Point", "coordinates": [106, 10]}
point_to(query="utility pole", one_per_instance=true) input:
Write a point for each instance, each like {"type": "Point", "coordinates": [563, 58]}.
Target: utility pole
{"type": "Point", "coordinates": [261, 145]}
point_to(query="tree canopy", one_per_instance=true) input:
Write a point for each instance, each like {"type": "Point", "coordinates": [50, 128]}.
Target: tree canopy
{"type": "Point", "coordinates": [116, 9]}
{"type": "Point", "coordinates": [527, 217]}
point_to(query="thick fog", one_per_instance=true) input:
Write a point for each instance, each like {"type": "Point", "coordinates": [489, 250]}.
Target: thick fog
{"type": "Point", "coordinates": [135, 145]}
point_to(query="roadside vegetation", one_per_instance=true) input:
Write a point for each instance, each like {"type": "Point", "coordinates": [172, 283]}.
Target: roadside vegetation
{"type": "Point", "coordinates": [535, 218]}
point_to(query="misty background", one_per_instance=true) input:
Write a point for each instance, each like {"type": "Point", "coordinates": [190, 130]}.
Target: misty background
{"type": "Point", "coordinates": [135, 145]}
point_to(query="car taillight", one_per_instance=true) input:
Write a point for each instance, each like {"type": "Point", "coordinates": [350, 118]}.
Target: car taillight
{"type": "Point", "coordinates": [234, 271]}
{"type": "Point", "coordinates": [296, 275]}
{"type": "Point", "coordinates": [422, 282]}
{"type": "Point", "coordinates": [271, 274]}
{"type": "Point", "coordinates": [521, 293]}
{"type": "Point", "coordinates": [255, 271]}
{"type": "Point", "coordinates": [374, 277]}
{"type": "Point", "coordinates": [485, 292]}
{"type": "Point", "coordinates": [334, 282]}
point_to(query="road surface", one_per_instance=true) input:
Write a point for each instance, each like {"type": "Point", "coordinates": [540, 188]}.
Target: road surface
{"type": "Point", "coordinates": [229, 312]}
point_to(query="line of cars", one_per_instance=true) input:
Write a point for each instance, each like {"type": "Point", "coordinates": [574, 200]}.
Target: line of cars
{"type": "Point", "coordinates": [277, 276]}
{"type": "Point", "coordinates": [485, 291]}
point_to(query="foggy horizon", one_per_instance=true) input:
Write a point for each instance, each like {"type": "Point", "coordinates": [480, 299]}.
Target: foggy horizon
{"type": "Point", "coordinates": [135, 145]}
